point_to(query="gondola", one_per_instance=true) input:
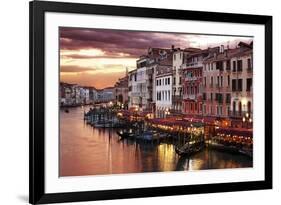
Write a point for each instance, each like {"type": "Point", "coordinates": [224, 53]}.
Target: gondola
{"type": "Point", "coordinates": [125, 134]}
{"type": "Point", "coordinates": [188, 150]}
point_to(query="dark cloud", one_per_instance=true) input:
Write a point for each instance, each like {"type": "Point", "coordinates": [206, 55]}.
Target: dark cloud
{"type": "Point", "coordinates": [111, 42]}
{"type": "Point", "coordinates": [76, 69]}
{"type": "Point", "coordinates": [78, 56]}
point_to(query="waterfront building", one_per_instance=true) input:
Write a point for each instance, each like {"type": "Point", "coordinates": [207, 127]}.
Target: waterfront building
{"type": "Point", "coordinates": [163, 91]}
{"type": "Point", "coordinates": [83, 96]}
{"type": "Point", "coordinates": [66, 97]}
{"type": "Point", "coordinates": [142, 80]}
{"type": "Point", "coordinates": [93, 94]}
{"type": "Point", "coordinates": [141, 87]}
{"type": "Point", "coordinates": [121, 90]}
{"type": "Point", "coordinates": [227, 82]}
{"type": "Point", "coordinates": [241, 84]}
{"type": "Point", "coordinates": [192, 71]}
{"type": "Point", "coordinates": [133, 97]}
{"type": "Point", "coordinates": [179, 59]}
{"type": "Point", "coordinates": [105, 95]}
{"type": "Point", "coordinates": [216, 82]}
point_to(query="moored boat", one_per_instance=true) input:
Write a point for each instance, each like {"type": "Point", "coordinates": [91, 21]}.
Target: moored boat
{"type": "Point", "coordinates": [125, 134]}
{"type": "Point", "coordinates": [189, 149]}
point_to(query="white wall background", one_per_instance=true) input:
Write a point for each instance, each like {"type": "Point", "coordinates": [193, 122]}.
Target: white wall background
{"type": "Point", "coordinates": [14, 100]}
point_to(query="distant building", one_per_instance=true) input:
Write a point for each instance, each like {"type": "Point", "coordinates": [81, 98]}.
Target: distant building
{"type": "Point", "coordinates": [105, 95]}
{"type": "Point", "coordinates": [121, 90]}
{"type": "Point", "coordinates": [133, 97]}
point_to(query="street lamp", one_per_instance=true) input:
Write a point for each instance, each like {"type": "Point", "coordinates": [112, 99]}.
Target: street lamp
{"type": "Point", "coordinates": [167, 112]}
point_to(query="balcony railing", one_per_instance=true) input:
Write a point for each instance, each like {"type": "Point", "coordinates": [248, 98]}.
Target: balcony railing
{"type": "Point", "coordinates": [194, 64]}
{"type": "Point", "coordinates": [194, 78]}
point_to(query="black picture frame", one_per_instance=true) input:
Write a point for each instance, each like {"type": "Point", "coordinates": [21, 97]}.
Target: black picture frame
{"type": "Point", "coordinates": [37, 9]}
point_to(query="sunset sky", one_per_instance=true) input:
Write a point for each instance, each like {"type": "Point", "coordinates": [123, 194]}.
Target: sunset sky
{"type": "Point", "coordinates": [98, 57]}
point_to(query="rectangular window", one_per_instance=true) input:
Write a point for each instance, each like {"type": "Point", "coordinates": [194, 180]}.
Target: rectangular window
{"type": "Point", "coordinates": [249, 84]}
{"type": "Point", "coordinates": [205, 81]}
{"type": "Point", "coordinates": [249, 67]}
{"type": "Point", "coordinates": [174, 81]}
{"type": "Point", "coordinates": [212, 81]}
{"type": "Point", "coordinates": [239, 65]}
{"type": "Point", "coordinates": [228, 98]}
{"type": "Point", "coordinates": [219, 65]}
{"type": "Point", "coordinates": [211, 96]}
{"type": "Point", "coordinates": [228, 80]}
{"type": "Point", "coordinates": [204, 96]}
{"type": "Point", "coordinates": [240, 85]}
{"type": "Point", "coordinates": [234, 85]}
{"type": "Point", "coordinates": [218, 81]}
{"type": "Point", "coordinates": [180, 81]}
{"type": "Point", "coordinates": [217, 96]}
{"type": "Point", "coordinates": [221, 81]}
{"type": "Point", "coordinates": [168, 81]}
{"type": "Point", "coordinates": [234, 66]}
{"type": "Point", "coordinates": [228, 65]}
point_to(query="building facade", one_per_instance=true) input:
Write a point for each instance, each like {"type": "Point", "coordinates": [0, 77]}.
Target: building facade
{"type": "Point", "coordinates": [121, 91]}
{"type": "Point", "coordinates": [192, 72]}
{"type": "Point", "coordinates": [227, 82]}
{"type": "Point", "coordinates": [242, 82]}
{"type": "Point", "coordinates": [163, 91]}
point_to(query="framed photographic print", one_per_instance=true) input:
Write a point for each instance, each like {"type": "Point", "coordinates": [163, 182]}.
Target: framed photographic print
{"type": "Point", "coordinates": [140, 102]}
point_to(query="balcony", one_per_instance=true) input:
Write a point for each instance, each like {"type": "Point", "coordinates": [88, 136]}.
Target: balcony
{"type": "Point", "coordinates": [194, 64]}
{"type": "Point", "coordinates": [194, 78]}
{"type": "Point", "coordinates": [189, 97]}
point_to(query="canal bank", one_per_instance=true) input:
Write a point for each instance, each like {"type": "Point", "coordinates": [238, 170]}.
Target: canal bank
{"type": "Point", "coordinates": [85, 150]}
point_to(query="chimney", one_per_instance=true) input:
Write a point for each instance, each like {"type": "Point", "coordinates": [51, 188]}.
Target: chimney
{"type": "Point", "coordinates": [173, 47]}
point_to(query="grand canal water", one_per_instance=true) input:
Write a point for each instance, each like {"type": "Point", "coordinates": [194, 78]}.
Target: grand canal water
{"type": "Point", "coordinates": [85, 150]}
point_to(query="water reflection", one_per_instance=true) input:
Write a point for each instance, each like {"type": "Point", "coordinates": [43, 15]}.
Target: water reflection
{"type": "Point", "coordinates": [85, 150]}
